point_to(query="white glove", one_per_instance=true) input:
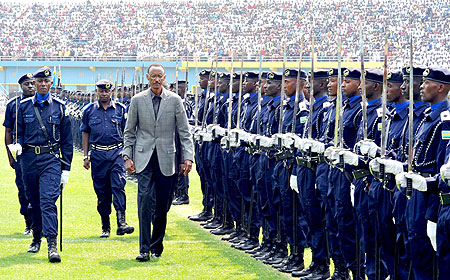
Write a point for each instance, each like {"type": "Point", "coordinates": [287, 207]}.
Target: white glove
{"type": "Point", "coordinates": [15, 149]}
{"type": "Point", "coordinates": [242, 134]}
{"type": "Point", "coordinates": [418, 182]}
{"type": "Point", "coordinates": [349, 157]}
{"type": "Point", "coordinates": [204, 136]}
{"type": "Point", "coordinates": [293, 183]}
{"type": "Point", "coordinates": [298, 142]}
{"type": "Point", "coordinates": [252, 139]}
{"type": "Point", "coordinates": [64, 178]}
{"type": "Point", "coordinates": [265, 141]}
{"type": "Point", "coordinates": [316, 146]}
{"type": "Point", "coordinates": [332, 154]}
{"type": "Point", "coordinates": [431, 232]}
{"type": "Point", "coordinates": [390, 166]}
{"type": "Point", "coordinates": [445, 171]}
{"type": "Point", "coordinates": [368, 147]}
{"type": "Point", "coordinates": [210, 127]}
{"type": "Point", "coordinates": [219, 131]}
{"type": "Point", "coordinates": [287, 141]}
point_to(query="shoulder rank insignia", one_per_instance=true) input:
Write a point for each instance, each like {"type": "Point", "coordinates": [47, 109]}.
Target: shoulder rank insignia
{"type": "Point", "coordinates": [380, 112]}
{"type": "Point", "coordinates": [445, 116]}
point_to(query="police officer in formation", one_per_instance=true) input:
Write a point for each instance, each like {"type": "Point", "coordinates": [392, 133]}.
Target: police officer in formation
{"type": "Point", "coordinates": [351, 204]}
{"type": "Point", "coordinates": [45, 143]}
{"type": "Point", "coordinates": [102, 126]}
{"type": "Point", "coordinates": [26, 83]}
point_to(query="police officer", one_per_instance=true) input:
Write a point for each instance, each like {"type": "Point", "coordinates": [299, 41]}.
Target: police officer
{"type": "Point", "coordinates": [26, 83]}
{"type": "Point", "coordinates": [102, 128]}
{"type": "Point", "coordinates": [44, 134]}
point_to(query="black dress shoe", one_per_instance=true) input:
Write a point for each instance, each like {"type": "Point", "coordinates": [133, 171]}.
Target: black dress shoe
{"type": "Point", "coordinates": [231, 236]}
{"type": "Point", "coordinates": [283, 263]}
{"type": "Point", "coordinates": [35, 246]}
{"type": "Point", "coordinates": [266, 255]}
{"type": "Point", "coordinates": [264, 248]}
{"type": "Point", "coordinates": [184, 199]}
{"type": "Point", "coordinates": [239, 239]}
{"type": "Point", "coordinates": [213, 224]}
{"type": "Point", "coordinates": [156, 255]}
{"type": "Point", "coordinates": [278, 257]}
{"type": "Point", "coordinates": [225, 229]}
{"type": "Point", "coordinates": [28, 231]}
{"type": "Point", "coordinates": [295, 263]}
{"type": "Point", "coordinates": [143, 257]}
{"type": "Point", "coordinates": [105, 233]}
{"type": "Point", "coordinates": [307, 271]}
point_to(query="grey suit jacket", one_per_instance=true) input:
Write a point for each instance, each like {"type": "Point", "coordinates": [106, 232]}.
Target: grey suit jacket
{"type": "Point", "coordinates": [143, 134]}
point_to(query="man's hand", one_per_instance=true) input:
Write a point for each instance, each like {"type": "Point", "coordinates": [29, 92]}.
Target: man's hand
{"type": "Point", "coordinates": [87, 164]}
{"type": "Point", "coordinates": [187, 167]}
{"type": "Point", "coordinates": [129, 166]}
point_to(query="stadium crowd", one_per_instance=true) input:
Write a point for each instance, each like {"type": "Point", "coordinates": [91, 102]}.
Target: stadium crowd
{"type": "Point", "coordinates": [200, 28]}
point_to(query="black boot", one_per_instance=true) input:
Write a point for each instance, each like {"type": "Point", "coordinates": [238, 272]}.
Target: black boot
{"type": "Point", "coordinates": [53, 255]}
{"type": "Point", "coordinates": [225, 228]}
{"type": "Point", "coordinates": [36, 243]}
{"type": "Point", "coordinates": [280, 254]}
{"type": "Point", "coordinates": [295, 263]}
{"type": "Point", "coordinates": [361, 275]}
{"type": "Point", "coordinates": [28, 230]}
{"type": "Point", "coordinates": [122, 226]}
{"type": "Point", "coordinates": [106, 227]}
{"type": "Point", "coordinates": [320, 271]}
{"type": "Point", "coordinates": [183, 197]}
{"type": "Point", "coordinates": [260, 249]}
{"type": "Point", "coordinates": [340, 272]}
{"type": "Point", "coordinates": [215, 222]}
{"type": "Point", "coordinates": [176, 196]}
{"type": "Point", "coordinates": [203, 216]}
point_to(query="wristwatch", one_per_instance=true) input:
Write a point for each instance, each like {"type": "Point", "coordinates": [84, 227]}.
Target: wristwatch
{"type": "Point", "coordinates": [85, 158]}
{"type": "Point", "coordinates": [125, 157]}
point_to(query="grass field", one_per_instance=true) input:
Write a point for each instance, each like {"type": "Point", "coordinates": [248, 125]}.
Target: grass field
{"type": "Point", "coordinates": [190, 251]}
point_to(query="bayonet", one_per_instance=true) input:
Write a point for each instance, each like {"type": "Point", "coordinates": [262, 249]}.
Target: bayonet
{"type": "Point", "coordinates": [215, 91]}
{"type": "Point", "coordinates": [297, 90]}
{"type": "Point", "coordinates": [311, 93]}
{"type": "Point", "coordinates": [410, 117]}
{"type": "Point", "coordinates": [363, 85]}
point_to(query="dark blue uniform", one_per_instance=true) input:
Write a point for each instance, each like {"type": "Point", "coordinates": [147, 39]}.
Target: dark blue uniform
{"type": "Point", "coordinates": [10, 122]}
{"type": "Point", "coordinates": [43, 176]}
{"type": "Point", "coordinates": [105, 129]}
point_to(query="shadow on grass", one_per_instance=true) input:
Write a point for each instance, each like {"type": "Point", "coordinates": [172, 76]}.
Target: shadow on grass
{"type": "Point", "coordinates": [21, 258]}
{"type": "Point", "coordinates": [126, 264]}
{"type": "Point", "coordinates": [16, 235]}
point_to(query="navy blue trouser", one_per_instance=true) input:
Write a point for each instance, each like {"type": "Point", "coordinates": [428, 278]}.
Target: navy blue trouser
{"type": "Point", "coordinates": [443, 241]}
{"type": "Point", "coordinates": [108, 176]}
{"type": "Point", "coordinates": [42, 185]}
{"type": "Point", "coordinates": [24, 203]}
{"type": "Point", "coordinates": [306, 180]}
{"type": "Point", "coordinates": [401, 239]}
{"type": "Point", "coordinates": [230, 185]}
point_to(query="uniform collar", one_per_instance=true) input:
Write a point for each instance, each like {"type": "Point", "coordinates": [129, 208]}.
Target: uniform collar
{"type": "Point", "coordinates": [319, 102]}
{"type": "Point", "coordinates": [420, 107]}
{"type": "Point", "coordinates": [441, 106]}
{"type": "Point", "coordinates": [353, 101]}
{"type": "Point", "coordinates": [401, 111]}
{"type": "Point", "coordinates": [111, 104]}
{"type": "Point", "coordinates": [265, 100]}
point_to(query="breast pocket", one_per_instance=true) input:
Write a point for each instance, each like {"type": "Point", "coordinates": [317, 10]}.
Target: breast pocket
{"type": "Point", "coordinates": [117, 125]}
{"type": "Point", "coordinates": [94, 122]}
{"type": "Point", "coordinates": [55, 122]}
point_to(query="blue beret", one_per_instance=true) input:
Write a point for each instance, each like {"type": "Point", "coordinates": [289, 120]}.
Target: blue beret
{"type": "Point", "coordinates": [251, 75]}
{"type": "Point", "coordinates": [26, 77]}
{"type": "Point", "coordinates": [319, 74]}
{"type": "Point", "coordinates": [104, 84]}
{"type": "Point", "coordinates": [43, 72]}
{"type": "Point", "coordinates": [440, 75]}
{"type": "Point", "coordinates": [333, 72]}
{"type": "Point", "coordinates": [293, 73]}
{"type": "Point", "coordinates": [223, 75]}
{"type": "Point", "coordinates": [273, 76]}
{"type": "Point", "coordinates": [206, 73]}
{"type": "Point", "coordinates": [352, 73]}
{"type": "Point", "coordinates": [417, 71]}
{"type": "Point", "coordinates": [374, 75]}
{"type": "Point", "coordinates": [395, 77]}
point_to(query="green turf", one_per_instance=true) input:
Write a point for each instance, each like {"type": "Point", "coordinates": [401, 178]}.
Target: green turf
{"type": "Point", "coordinates": [190, 251]}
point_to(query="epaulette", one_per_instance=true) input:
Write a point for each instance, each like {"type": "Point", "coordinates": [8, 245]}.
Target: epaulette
{"type": "Point", "coordinates": [302, 106]}
{"type": "Point", "coordinates": [87, 106]}
{"type": "Point", "coordinates": [445, 116]}
{"type": "Point", "coordinates": [12, 99]}
{"type": "Point", "coordinates": [326, 104]}
{"type": "Point", "coordinates": [247, 95]}
{"type": "Point", "coordinates": [26, 99]}
{"type": "Point", "coordinates": [59, 100]}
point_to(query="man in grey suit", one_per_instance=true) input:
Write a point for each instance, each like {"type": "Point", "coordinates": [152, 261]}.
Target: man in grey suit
{"type": "Point", "coordinates": [150, 150]}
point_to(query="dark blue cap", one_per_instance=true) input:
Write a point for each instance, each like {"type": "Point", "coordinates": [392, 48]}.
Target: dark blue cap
{"type": "Point", "coordinates": [236, 75]}
{"type": "Point", "coordinates": [58, 87]}
{"type": "Point", "coordinates": [251, 75]}
{"type": "Point", "coordinates": [204, 73]}
{"type": "Point", "coordinates": [333, 72]}
{"type": "Point", "coordinates": [437, 74]}
{"type": "Point", "coordinates": [26, 77]}
{"type": "Point", "coordinates": [374, 75]}
{"type": "Point", "coordinates": [352, 73]}
{"type": "Point", "coordinates": [223, 75]}
{"type": "Point", "coordinates": [273, 76]}
{"type": "Point", "coordinates": [417, 71]}
{"type": "Point", "coordinates": [182, 82]}
{"type": "Point", "coordinates": [104, 84]}
{"type": "Point", "coordinates": [319, 74]}
{"type": "Point", "coordinates": [293, 73]}
{"type": "Point", "coordinates": [264, 75]}
{"type": "Point", "coordinates": [395, 77]}
{"type": "Point", "coordinates": [43, 72]}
